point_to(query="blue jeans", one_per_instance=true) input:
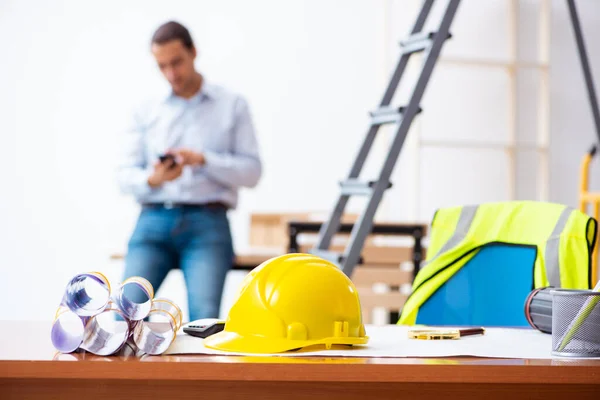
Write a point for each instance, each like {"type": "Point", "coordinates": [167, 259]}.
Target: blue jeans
{"type": "Point", "coordinates": [197, 240]}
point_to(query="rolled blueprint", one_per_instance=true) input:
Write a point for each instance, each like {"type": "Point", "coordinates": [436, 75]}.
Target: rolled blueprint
{"type": "Point", "coordinates": [104, 333]}
{"type": "Point", "coordinates": [104, 322]}
{"type": "Point", "coordinates": [153, 338]}
{"type": "Point", "coordinates": [538, 309]}
{"type": "Point", "coordinates": [87, 294]}
{"type": "Point", "coordinates": [134, 298]}
{"type": "Point", "coordinates": [67, 330]}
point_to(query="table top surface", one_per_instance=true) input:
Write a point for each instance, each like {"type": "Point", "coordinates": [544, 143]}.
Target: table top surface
{"type": "Point", "coordinates": [26, 352]}
{"type": "Point", "coordinates": [246, 256]}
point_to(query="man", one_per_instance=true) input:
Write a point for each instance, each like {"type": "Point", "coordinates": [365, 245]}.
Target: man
{"type": "Point", "coordinates": [209, 135]}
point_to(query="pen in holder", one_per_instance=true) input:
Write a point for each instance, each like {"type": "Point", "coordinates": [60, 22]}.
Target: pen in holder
{"type": "Point", "coordinates": [575, 323]}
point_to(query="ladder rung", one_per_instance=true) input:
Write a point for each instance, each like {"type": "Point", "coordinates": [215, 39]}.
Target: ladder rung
{"type": "Point", "coordinates": [328, 255]}
{"type": "Point", "coordinates": [388, 115]}
{"type": "Point", "coordinates": [356, 187]}
{"type": "Point", "coordinates": [332, 256]}
{"type": "Point", "coordinates": [418, 42]}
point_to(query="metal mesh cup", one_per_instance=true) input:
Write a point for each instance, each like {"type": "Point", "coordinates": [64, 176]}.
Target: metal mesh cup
{"type": "Point", "coordinates": [575, 323]}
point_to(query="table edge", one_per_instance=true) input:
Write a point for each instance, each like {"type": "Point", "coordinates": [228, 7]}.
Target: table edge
{"type": "Point", "coordinates": [520, 372]}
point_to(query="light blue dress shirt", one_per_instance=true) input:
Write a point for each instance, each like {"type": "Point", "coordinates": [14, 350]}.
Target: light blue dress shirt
{"type": "Point", "coordinates": [214, 122]}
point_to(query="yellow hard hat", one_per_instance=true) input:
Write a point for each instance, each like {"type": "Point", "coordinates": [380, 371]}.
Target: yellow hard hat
{"type": "Point", "coordinates": [289, 302]}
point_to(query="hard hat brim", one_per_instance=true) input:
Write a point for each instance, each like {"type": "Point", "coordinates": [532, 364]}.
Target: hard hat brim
{"type": "Point", "coordinates": [233, 342]}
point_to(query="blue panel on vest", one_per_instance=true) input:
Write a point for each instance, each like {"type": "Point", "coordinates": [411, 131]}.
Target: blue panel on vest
{"type": "Point", "coordinates": [489, 290]}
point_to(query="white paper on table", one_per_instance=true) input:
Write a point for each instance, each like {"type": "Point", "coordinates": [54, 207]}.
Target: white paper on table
{"type": "Point", "coordinates": [393, 341]}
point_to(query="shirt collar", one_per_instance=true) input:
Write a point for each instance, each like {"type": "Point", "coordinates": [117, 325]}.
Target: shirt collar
{"type": "Point", "coordinates": [207, 91]}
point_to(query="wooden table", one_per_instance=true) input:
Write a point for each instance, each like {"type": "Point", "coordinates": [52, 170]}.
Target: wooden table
{"type": "Point", "coordinates": [250, 258]}
{"type": "Point", "coordinates": [30, 369]}
{"type": "Point", "coordinates": [245, 260]}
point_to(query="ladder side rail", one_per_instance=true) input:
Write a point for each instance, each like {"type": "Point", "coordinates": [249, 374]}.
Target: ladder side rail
{"type": "Point", "coordinates": [585, 65]}
{"type": "Point", "coordinates": [332, 224]}
{"type": "Point", "coordinates": [364, 225]}
{"type": "Point", "coordinates": [399, 71]}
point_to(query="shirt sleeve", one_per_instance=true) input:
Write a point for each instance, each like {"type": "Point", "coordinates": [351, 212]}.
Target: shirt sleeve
{"type": "Point", "coordinates": [241, 166]}
{"type": "Point", "coordinates": [132, 175]}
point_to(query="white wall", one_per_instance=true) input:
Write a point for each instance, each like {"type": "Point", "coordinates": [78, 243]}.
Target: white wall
{"type": "Point", "coordinates": [572, 129]}
{"type": "Point", "coordinates": [70, 71]}
{"type": "Point", "coordinates": [311, 70]}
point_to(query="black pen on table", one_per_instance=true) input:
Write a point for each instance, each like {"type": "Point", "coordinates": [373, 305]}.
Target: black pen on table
{"type": "Point", "coordinates": [441, 334]}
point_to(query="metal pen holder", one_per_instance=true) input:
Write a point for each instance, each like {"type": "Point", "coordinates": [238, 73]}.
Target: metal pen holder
{"type": "Point", "coordinates": [575, 323]}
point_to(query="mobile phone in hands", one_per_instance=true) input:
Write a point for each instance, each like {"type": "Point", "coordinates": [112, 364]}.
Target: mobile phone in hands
{"type": "Point", "coordinates": [168, 159]}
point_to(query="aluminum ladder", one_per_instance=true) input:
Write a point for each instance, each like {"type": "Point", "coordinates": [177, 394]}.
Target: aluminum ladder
{"type": "Point", "coordinates": [430, 44]}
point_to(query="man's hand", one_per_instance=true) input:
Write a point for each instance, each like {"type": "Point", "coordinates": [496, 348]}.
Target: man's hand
{"type": "Point", "coordinates": [188, 157]}
{"type": "Point", "coordinates": [164, 172]}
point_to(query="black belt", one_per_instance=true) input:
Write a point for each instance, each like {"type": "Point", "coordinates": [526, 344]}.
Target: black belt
{"type": "Point", "coordinates": [173, 204]}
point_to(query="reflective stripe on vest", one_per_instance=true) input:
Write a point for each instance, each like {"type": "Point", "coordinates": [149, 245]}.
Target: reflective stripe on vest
{"type": "Point", "coordinates": [551, 256]}
{"type": "Point", "coordinates": [467, 214]}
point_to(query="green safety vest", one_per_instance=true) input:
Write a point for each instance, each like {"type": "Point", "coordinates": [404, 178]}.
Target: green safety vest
{"type": "Point", "coordinates": [564, 238]}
